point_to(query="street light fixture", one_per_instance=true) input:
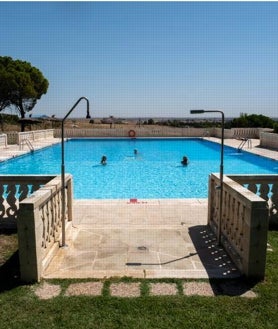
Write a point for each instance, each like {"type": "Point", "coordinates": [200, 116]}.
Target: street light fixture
{"type": "Point", "coordinates": [221, 166]}
{"type": "Point", "coordinates": [63, 168]}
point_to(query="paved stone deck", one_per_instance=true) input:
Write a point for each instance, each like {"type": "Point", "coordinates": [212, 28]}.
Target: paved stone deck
{"type": "Point", "coordinates": [15, 150]}
{"type": "Point", "coordinates": [147, 239]}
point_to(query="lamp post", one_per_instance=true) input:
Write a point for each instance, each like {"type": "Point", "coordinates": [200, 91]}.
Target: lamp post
{"type": "Point", "coordinates": [63, 168]}
{"type": "Point", "coordinates": [221, 166]}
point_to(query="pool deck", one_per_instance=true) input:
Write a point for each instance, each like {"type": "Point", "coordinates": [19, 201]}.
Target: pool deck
{"type": "Point", "coordinates": [14, 150]}
{"type": "Point", "coordinates": [141, 238]}
{"type": "Point", "coordinates": [255, 149]}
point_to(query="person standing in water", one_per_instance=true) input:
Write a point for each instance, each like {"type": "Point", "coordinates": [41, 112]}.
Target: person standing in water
{"type": "Point", "coordinates": [103, 160]}
{"type": "Point", "coordinates": [184, 161]}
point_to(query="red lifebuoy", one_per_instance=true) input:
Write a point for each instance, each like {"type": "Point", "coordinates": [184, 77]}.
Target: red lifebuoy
{"type": "Point", "coordinates": [132, 133]}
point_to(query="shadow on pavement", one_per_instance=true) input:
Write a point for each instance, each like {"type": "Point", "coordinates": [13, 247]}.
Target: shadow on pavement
{"type": "Point", "coordinates": [225, 278]}
{"type": "Point", "coordinates": [232, 287]}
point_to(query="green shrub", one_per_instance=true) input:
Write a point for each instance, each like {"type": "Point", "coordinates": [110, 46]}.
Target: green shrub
{"type": "Point", "coordinates": [275, 127]}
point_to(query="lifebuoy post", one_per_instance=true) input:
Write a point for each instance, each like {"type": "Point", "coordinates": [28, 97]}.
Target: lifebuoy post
{"type": "Point", "coordinates": [132, 133]}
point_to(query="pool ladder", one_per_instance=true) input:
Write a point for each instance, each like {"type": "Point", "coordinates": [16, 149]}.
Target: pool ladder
{"type": "Point", "coordinates": [27, 142]}
{"type": "Point", "coordinates": [243, 142]}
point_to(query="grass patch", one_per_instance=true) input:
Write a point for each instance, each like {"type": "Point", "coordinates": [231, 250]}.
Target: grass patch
{"type": "Point", "coordinates": [21, 308]}
{"type": "Point", "coordinates": [8, 246]}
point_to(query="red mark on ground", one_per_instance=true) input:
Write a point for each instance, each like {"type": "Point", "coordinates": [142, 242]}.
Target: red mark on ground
{"type": "Point", "coordinates": [135, 201]}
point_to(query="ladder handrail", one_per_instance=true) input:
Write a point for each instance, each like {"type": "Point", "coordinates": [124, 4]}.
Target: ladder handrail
{"type": "Point", "coordinates": [243, 142]}
{"type": "Point", "coordinates": [28, 143]}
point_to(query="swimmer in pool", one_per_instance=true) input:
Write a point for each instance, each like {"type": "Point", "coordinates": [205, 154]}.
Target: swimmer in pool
{"type": "Point", "coordinates": [184, 161]}
{"type": "Point", "coordinates": [103, 160]}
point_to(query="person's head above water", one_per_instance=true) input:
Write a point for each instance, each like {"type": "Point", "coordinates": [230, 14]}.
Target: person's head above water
{"type": "Point", "coordinates": [184, 161]}
{"type": "Point", "coordinates": [103, 160]}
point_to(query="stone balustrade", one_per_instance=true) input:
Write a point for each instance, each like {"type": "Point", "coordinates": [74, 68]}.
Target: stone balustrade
{"type": "Point", "coordinates": [40, 226]}
{"type": "Point", "coordinates": [161, 131]}
{"type": "Point", "coordinates": [35, 135]}
{"type": "Point", "coordinates": [266, 186]}
{"type": "Point", "coordinates": [245, 217]}
{"type": "Point", "coordinates": [13, 189]}
{"type": "Point", "coordinates": [158, 131]}
{"type": "Point", "coordinates": [12, 137]}
{"type": "Point", "coordinates": [245, 132]}
{"type": "Point", "coordinates": [267, 140]}
{"type": "Point", "coordinates": [3, 141]}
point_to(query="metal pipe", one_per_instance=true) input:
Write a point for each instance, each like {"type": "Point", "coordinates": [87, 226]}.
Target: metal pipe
{"type": "Point", "coordinates": [221, 167]}
{"type": "Point", "coordinates": [63, 168]}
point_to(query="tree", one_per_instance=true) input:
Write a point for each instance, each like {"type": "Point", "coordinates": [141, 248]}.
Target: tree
{"type": "Point", "coordinates": [275, 127]}
{"type": "Point", "coordinates": [252, 120]}
{"type": "Point", "coordinates": [4, 90]}
{"type": "Point", "coordinates": [21, 85]}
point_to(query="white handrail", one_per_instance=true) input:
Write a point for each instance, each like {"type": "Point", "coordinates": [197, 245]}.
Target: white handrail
{"type": "Point", "coordinates": [4, 140]}
{"type": "Point", "coordinates": [28, 143]}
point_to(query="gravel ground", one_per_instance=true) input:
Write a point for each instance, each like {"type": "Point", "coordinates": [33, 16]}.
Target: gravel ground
{"type": "Point", "coordinates": [197, 288]}
{"type": "Point", "coordinates": [157, 289]}
{"type": "Point", "coordinates": [47, 291]}
{"type": "Point", "coordinates": [125, 289]}
{"type": "Point", "coordinates": [85, 288]}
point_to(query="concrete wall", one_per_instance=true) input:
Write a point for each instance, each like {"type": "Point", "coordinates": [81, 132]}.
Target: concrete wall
{"type": "Point", "coordinates": [269, 140]}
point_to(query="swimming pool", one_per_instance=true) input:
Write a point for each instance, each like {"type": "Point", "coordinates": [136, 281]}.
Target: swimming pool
{"type": "Point", "coordinates": [154, 173]}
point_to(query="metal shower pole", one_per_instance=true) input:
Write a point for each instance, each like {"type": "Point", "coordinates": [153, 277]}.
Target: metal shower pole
{"type": "Point", "coordinates": [221, 166]}
{"type": "Point", "coordinates": [63, 168]}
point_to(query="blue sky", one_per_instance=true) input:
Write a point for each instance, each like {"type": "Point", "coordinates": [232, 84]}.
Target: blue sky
{"type": "Point", "coordinates": [148, 59]}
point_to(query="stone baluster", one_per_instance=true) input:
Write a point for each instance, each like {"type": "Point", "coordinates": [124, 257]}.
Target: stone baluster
{"type": "Point", "coordinates": [237, 219]}
{"type": "Point", "coordinates": [225, 211]}
{"type": "Point", "coordinates": [273, 209]}
{"type": "Point", "coordinates": [59, 208]}
{"type": "Point", "coordinates": [44, 228]}
{"type": "Point", "coordinates": [2, 207]}
{"type": "Point", "coordinates": [241, 227]}
{"type": "Point", "coordinates": [52, 219]}
{"type": "Point", "coordinates": [23, 191]}
{"type": "Point", "coordinates": [264, 190]}
{"type": "Point", "coordinates": [56, 216]}
{"type": "Point", "coordinates": [230, 216]}
{"type": "Point", "coordinates": [233, 223]}
{"type": "Point", "coordinates": [46, 206]}
{"type": "Point", "coordinates": [12, 200]}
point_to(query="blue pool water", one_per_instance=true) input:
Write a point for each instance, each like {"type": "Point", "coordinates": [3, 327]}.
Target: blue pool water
{"type": "Point", "coordinates": [156, 172]}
